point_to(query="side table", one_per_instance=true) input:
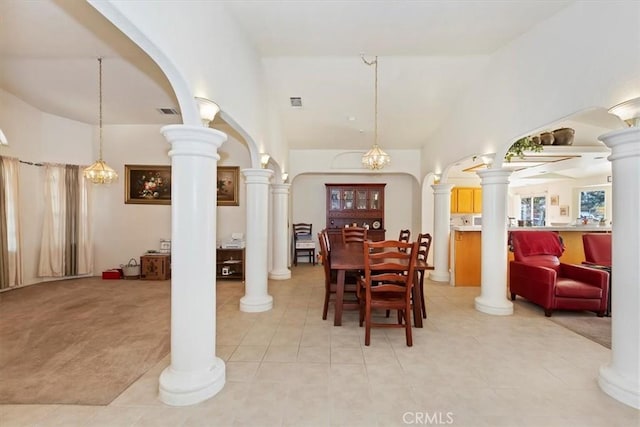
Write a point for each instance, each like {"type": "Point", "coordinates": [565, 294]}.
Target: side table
{"type": "Point", "coordinates": [155, 267]}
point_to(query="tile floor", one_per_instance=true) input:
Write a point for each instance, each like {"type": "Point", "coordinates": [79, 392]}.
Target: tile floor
{"type": "Point", "coordinates": [288, 367]}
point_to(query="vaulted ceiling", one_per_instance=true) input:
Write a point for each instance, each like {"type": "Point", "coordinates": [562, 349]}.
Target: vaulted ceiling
{"type": "Point", "coordinates": [429, 53]}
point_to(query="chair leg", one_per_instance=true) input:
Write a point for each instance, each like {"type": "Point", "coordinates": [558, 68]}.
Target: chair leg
{"type": "Point", "coordinates": [424, 306]}
{"type": "Point", "coordinates": [325, 309]}
{"type": "Point", "coordinates": [513, 296]}
{"type": "Point", "coordinates": [367, 325]}
{"type": "Point", "coordinates": [407, 321]}
{"type": "Point", "coordinates": [547, 312]}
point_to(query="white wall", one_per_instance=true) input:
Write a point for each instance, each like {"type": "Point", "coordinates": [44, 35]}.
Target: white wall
{"type": "Point", "coordinates": [577, 59]}
{"type": "Point", "coordinates": [124, 231]}
{"type": "Point", "coordinates": [35, 136]}
{"type": "Point", "coordinates": [401, 201]}
{"type": "Point", "coordinates": [568, 192]}
{"type": "Point", "coordinates": [120, 231]}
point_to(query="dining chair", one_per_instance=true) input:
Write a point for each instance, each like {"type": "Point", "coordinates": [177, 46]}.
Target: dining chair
{"type": "Point", "coordinates": [404, 236]}
{"type": "Point", "coordinates": [354, 235]}
{"type": "Point", "coordinates": [330, 276]}
{"type": "Point", "coordinates": [303, 243]}
{"type": "Point", "coordinates": [387, 284]}
{"type": "Point", "coordinates": [424, 245]}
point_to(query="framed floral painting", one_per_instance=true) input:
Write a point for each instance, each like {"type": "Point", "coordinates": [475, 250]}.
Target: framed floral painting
{"type": "Point", "coordinates": [148, 185]}
{"type": "Point", "coordinates": [228, 185]}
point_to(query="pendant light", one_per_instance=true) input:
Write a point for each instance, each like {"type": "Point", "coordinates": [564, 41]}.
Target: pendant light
{"type": "Point", "coordinates": [375, 158]}
{"type": "Point", "coordinates": [99, 172]}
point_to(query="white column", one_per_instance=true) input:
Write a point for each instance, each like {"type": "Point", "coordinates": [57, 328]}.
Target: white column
{"type": "Point", "coordinates": [620, 378]}
{"type": "Point", "coordinates": [441, 230]}
{"type": "Point", "coordinates": [256, 297]}
{"type": "Point", "coordinates": [195, 373]}
{"type": "Point", "coordinates": [493, 291]}
{"type": "Point", "coordinates": [280, 197]}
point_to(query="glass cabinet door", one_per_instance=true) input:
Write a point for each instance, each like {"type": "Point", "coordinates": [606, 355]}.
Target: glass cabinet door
{"type": "Point", "coordinates": [335, 199]}
{"type": "Point", "coordinates": [374, 199]}
{"type": "Point", "coordinates": [348, 199]}
{"type": "Point", "coordinates": [361, 201]}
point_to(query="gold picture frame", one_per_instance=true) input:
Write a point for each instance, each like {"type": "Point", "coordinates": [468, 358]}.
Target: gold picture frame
{"type": "Point", "coordinates": [564, 210]}
{"type": "Point", "coordinates": [555, 200]}
{"type": "Point", "coordinates": [147, 184]}
{"type": "Point", "coordinates": [227, 188]}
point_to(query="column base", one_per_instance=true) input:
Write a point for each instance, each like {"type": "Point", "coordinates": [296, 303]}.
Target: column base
{"type": "Point", "coordinates": [439, 276]}
{"type": "Point", "coordinates": [256, 305]}
{"type": "Point", "coordinates": [180, 388]}
{"type": "Point", "coordinates": [618, 387]}
{"type": "Point", "coordinates": [281, 274]}
{"type": "Point", "coordinates": [496, 307]}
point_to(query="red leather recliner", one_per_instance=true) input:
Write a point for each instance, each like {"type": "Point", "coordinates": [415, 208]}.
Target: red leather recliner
{"type": "Point", "coordinates": [537, 275]}
{"type": "Point", "coordinates": [597, 249]}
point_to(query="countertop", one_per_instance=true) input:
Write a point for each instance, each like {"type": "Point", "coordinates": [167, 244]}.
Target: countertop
{"type": "Point", "coordinates": [579, 228]}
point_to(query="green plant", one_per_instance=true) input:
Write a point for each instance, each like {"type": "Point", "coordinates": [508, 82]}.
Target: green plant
{"type": "Point", "coordinates": [520, 146]}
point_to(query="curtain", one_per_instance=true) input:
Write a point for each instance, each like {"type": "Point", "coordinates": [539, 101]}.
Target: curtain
{"type": "Point", "coordinates": [66, 248]}
{"type": "Point", "coordinates": [10, 237]}
{"type": "Point", "coordinates": [52, 249]}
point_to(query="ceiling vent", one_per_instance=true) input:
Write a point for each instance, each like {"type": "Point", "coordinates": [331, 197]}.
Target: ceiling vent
{"type": "Point", "coordinates": [296, 101]}
{"type": "Point", "coordinates": [169, 111]}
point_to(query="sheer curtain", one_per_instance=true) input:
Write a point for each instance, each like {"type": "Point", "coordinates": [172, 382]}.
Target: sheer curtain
{"type": "Point", "coordinates": [66, 248]}
{"type": "Point", "coordinates": [10, 238]}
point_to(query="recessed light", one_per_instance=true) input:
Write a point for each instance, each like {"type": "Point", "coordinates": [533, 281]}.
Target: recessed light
{"type": "Point", "coordinates": [351, 118]}
{"type": "Point", "coordinates": [296, 101]}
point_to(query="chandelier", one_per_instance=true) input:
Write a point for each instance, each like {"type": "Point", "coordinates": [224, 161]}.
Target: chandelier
{"type": "Point", "coordinates": [375, 158]}
{"type": "Point", "coordinates": [99, 172]}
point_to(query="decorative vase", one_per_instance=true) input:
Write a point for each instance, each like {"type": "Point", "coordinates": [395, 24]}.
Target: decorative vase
{"type": "Point", "coordinates": [563, 136]}
{"type": "Point", "coordinates": [546, 138]}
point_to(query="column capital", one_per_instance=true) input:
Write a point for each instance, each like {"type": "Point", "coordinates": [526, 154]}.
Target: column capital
{"type": "Point", "coordinates": [280, 188]}
{"type": "Point", "coordinates": [494, 176]}
{"type": "Point", "coordinates": [623, 143]}
{"type": "Point", "coordinates": [442, 188]}
{"type": "Point", "coordinates": [193, 140]}
{"type": "Point", "coordinates": [257, 176]}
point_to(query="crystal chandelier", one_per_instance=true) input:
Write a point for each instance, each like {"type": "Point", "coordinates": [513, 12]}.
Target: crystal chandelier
{"type": "Point", "coordinates": [99, 172]}
{"type": "Point", "coordinates": [375, 158]}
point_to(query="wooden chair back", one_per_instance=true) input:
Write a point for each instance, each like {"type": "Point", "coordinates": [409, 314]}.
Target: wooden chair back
{"type": "Point", "coordinates": [424, 245]}
{"type": "Point", "coordinates": [354, 235]}
{"type": "Point", "coordinates": [387, 283]}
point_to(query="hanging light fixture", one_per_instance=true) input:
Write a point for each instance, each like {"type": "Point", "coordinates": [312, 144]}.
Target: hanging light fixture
{"type": "Point", "coordinates": [99, 172]}
{"type": "Point", "coordinates": [375, 158]}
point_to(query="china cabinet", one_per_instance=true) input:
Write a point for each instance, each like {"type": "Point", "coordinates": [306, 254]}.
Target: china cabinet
{"type": "Point", "coordinates": [359, 205]}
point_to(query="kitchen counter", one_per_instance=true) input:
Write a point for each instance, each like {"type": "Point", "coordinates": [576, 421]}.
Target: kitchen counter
{"type": "Point", "coordinates": [580, 228]}
{"type": "Point", "coordinates": [466, 247]}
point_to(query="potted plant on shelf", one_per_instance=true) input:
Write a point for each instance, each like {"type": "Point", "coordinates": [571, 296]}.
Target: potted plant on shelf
{"type": "Point", "coordinates": [523, 144]}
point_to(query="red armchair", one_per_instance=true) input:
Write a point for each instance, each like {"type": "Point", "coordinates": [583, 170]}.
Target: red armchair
{"type": "Point", "coordinates": [537, 274]}
{"type": "Point", "coordinates": [597, 249]}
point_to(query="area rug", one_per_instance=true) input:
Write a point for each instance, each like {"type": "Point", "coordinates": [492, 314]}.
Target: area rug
{"type": "Point", "coordinates": [81, 341]}
{"type": "Point", "coordinates": [587, 324]}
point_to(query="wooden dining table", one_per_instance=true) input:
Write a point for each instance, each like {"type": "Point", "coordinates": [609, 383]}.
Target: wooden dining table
{"type": "Point", "coordinates": [350, 257]}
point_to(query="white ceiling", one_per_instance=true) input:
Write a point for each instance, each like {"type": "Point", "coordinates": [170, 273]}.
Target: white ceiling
{"type": "Point", "coordinates": [429, 52]}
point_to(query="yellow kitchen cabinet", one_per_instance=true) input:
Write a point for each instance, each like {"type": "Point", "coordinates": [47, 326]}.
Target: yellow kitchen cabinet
{"type": "Point", "coordinates": [467, 258]}
{"type": "Point", "coordinates": [466, 200]}
{"type": "Point", "coordinates": [477, 200]}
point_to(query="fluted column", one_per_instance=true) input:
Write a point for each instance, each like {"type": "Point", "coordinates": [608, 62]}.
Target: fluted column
{"type": "Point", "coordinates": [620, 378]}
{"type": "Point", "coordinates": [195, 373]}
{"type": "Point", "coordinates": [493, 291]}
{"type": "Point", "coordinates": [256, 297]}
{"type": "Point", "coordinates": [441, 230]}
{"type": "Point", "coordinates": [280, 198]}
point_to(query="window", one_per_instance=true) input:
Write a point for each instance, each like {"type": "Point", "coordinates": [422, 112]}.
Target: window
{"type": "Point", "coordinates": [533, 210]}
{"type": "Point", "coordinates": [592, 204]}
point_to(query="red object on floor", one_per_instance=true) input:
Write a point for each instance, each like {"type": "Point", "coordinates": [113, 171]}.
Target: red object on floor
{"type": "Point", "coordinates": [112, 274]}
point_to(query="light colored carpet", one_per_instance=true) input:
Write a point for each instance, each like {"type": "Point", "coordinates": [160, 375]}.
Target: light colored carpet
{"type": "Point", "coordinates": [80, 341]}
{"type": "Point", "coordinates": [585, 323]}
